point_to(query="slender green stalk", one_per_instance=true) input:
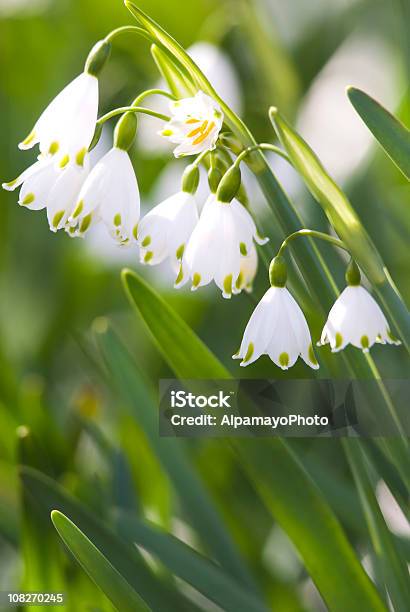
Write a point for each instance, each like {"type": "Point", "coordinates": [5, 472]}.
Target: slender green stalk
{"type": "Point", "coordinates": [152, 92]}
{"type": "Point", "coordinates": [128, 29]}
{"type": "Point", "coordinates": [131, 109]}
{"type": "Point", "coordinates": [263, 146]}
{"type": "Point", "coordinates": [312, 234]}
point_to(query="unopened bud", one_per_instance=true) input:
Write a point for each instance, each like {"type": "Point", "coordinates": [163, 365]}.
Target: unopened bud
{"type": "Point", "coordinates": [229, 185]}
{"type": "Point", "coordinates": [190, 179]}
{"type": "Point", "coordinates": [97, 57]}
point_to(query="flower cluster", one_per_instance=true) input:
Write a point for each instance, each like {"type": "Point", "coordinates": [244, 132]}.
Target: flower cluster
{"type": "Point", "coordinates": [278, 327]}
{"type": "Point", "coordinates": [219, 244]}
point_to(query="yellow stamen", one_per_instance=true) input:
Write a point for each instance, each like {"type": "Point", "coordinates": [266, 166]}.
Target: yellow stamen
{"type": "Point", "coordinates": [205, 134]}
{"type": "Point", "coordinates": [188, 121]}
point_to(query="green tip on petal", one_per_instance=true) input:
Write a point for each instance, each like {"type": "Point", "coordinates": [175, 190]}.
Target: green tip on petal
{"type": "Point", "coordinates": [196, 279]}
{"type": "Point", "coordinates": [146, 242]}
{"type": "Point", "coordinates": [135, 231]}
{"type": "Point", "coordinates": [284, 360]}
{"type": "Point", "coordinates": [29, 198]}
{"type": "Point", "coordinates": [28, 140]}
{"type": "Point", "coordinates": [54, 147]}
{"type": "Point", "coordinates": [180, 276]}
{"type": "Point", "coordinates": [10, 184]}
{"type": "Point", "coordinates": [364, 341]}
{"type": "Point", "coordinates": [79, 158]}
{"type": "Point", "coordinates": [180, 252]}
{"type": "Point", "coordinates": [239, 281]}
{"type": "Point", "coordinates": [57, 218]}
{"type": "Point", "coordinates": [243, 249]}
{"type": "Point", "coordinates": [249, 354]}
{"type": "Point", "coordinates": [64, 161]}
{"type": "Point", "coordinates": [312, 356]}
{"type": "Point", "coordinates": [148, 256]}
{"type": "Point", "coordinates": [339, 340]}
{"type": "Point", "coordinates": [85, 223]}
{"type": "Point", "coordinates": [117, 220]}
{"type": "Point", "coordinates": [78, 209]}
{"type": "Point", "coordinates": [228, 285]}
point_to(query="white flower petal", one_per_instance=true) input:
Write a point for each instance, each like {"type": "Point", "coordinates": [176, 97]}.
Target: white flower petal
{"type": "Point", "coordinates": [194, 126]}
{"type": "Point", "coordinates": [111, 193]}
{"type": "Point", "coordinates": [66, 127]}
{"type": "Point", "coordinates": [355, 318]}
{"type": "Point", "coordinates": [278, 328]}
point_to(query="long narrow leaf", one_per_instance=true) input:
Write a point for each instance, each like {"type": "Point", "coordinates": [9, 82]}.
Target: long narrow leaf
{"type": "Point", "coordinates": [48, 495]}
{"type": "Point", "coordinates": [393, 136]}
{"type": "Point", "coordinates": [189, 565]}
{"type": "Point", "coordinates": [193, 496]}
{"type": "Point", "coordinates": [105, 576]}
{"type": "Point", "coordinates": [289, 493]}
{"type": "Point", "coordinates": [392, 567]}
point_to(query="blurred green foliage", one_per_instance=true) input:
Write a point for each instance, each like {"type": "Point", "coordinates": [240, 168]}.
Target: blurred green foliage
{"type": "Point", "coordinates": [59, 412]}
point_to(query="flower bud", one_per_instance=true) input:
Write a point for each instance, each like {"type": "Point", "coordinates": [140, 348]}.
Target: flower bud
{"type": "Point", "coordinates": [190, 179]}
{"type": "Point", "coordinates": [214, 178]}
{"type": "Point", "coordinates": [125, 131]}
{"type": "Point", "coordinates": [278, 273]}
{"type": "Point", "coordinates": [352, 275]}
{"type": "Point", "coordinates": [229, 185]}
{"type": "Point", "coordinates": [97, 57]}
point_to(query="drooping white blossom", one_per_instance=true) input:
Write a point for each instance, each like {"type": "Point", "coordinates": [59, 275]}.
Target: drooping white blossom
{"type": "Point", "coordinates": [194, 125]}
{"type": "Point", "coordinates": [356, 318]}
{"type": "Point", "coordinates": [109, 194]}
{"type": "Point", "coordinates": [219, 244]}
{"type": "Point", "coordinates": [66, 127]}
{"type": "Point", "coordinates": [43, 185]}
{"type": "Point", "coordinates": [166, 229]}
{"type": "Point", "coordinates": [277, 328]}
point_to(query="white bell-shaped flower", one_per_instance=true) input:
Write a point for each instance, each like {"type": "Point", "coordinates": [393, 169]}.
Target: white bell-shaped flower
{"type": "Point", "coordinates": [277, 327]}
{"type": "Point", "coordinates": [195, 124]}
{"type": "Point", "coordinates": [166, 229]}
{"type": "Point", "coordinates": [45, 186]}
{"type": "Point", "coordinates": [66, 127]}
{"type": "Point", "coordinates": [222, 239]}
{"type": "Point", "coordinates": [356, 318]}
{"type": "Point", "coordinates": [111, 193]}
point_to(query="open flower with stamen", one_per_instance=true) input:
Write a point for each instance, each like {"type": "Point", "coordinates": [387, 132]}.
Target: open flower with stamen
{"type": "Point", "coordinates": [45, 186]}
{"type": "Point", "coordinates": [277, 327]}
{"type": "Point", "coordinates": [356, 318]}
{"type": "Point", "coordinates": [222, 239]}
{"type": "Point", "coordinates": [195, 124]}
{"type": "Point", "coordinates": [66, 127]}
{"type": "Point", "coordinates": [166, 229]}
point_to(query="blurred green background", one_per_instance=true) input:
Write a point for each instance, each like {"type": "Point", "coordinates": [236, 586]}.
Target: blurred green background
{"type": "Point", "coordinates": [297, 55]}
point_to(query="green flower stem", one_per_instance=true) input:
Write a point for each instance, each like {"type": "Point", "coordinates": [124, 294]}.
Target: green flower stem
{"type": "Point", "coordinates": [131, 109]}
{"type": "Point", "coordinates": [153, 92]}
{"type": "Point", "coordinates": [312, 234]}
{"type": "Point", "coordinates": [128, 30]}
{"type": "Point", "coordinates": [263, 146]}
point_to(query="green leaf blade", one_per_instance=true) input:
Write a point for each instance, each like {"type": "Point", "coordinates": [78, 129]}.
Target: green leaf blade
{"type": "Point", "coordinates": [288, 492]}
{"type": "Point", "coordinates": [186, 563]}
{"type": "Point", "coordinates": [391, 134]}
{"type": "Point", "coordinates": [190, 356]}
{"type": "Point", "coordinates": [100, 570]}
